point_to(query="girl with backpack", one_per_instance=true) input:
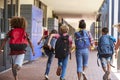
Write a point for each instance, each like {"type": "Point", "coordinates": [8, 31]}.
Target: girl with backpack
{"type": "Point", "coordinates": [42, 41]}
{"type": "Point", "coordinates": [83, 41]}
{"type": "Point", "coordinates": [63, 44]}
{"type": "Point", "coordinates": [49, 52]}
{"type": "Point", "coordinates": [18, 41]}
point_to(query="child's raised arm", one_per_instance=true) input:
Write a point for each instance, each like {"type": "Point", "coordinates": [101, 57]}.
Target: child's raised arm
{"type": "Point", "coordinates": [51, 36]}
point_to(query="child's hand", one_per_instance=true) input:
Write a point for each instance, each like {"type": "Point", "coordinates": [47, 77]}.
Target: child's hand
{"type": "Point", "coordinates": [49, 46]}
{"type": "Point", "coordinates": [72, 49]}
{"type": "Point", "coordinates": [33, 53]}
{"type": "Point", "coordinates": [38, 43]}
{"type": "Point", "coordinates": [116, 56]}
{"type": "Point", "coordinates": [1, 51]}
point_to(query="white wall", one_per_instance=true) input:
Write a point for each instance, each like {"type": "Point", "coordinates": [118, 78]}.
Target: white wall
{"type": "Point", "coordinates": [110, 15]}
{"type": "Point", "coordinates": [115, 17]}
{"type": "Point", "coordinates": [49, 9]}
{"type": "Point", "coordinates": [115, 21]}
{"type": "Point", "coordinates": [1, 3]}
{"type": "Point", "coordinates": [26, 1]}
{"type": "Point", "coordinates": [49, 12]}
{"type": "Point", "coordinates": [75, 22]}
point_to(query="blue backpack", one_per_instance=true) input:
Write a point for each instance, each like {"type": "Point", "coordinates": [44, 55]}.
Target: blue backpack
{"type": "Point", "coordinates": [106, 45]}
{"type": "Point", "coordinates": [82, 39]}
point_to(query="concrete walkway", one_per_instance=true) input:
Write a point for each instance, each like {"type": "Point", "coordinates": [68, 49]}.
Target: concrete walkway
{"type": "Point", "coordinates": [35, 70]}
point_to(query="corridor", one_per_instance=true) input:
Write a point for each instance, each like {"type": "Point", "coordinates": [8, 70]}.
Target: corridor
{"type": "Point", "coordinates": [35, 70]}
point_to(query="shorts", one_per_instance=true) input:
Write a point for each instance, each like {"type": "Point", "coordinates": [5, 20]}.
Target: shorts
{"type": "Point", "coordinates": [105, 61]}
{"type": "Point", "coordinates": [18, 59]}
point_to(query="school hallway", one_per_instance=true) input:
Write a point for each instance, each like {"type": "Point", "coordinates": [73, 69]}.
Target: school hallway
{"type": "Point", "coordinates": [35, 70]}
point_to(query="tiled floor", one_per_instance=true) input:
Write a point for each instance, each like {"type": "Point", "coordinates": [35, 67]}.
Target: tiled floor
{"type": "Point", "coordinates": [35, 70]}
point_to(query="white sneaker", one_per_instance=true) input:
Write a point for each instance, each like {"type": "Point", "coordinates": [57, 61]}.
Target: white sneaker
{"type": "Point", "coordinates": [46, 77]}
{"type": "Point", "coordinates": [84, 76]}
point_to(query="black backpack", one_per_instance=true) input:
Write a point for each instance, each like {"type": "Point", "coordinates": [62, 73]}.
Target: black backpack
{"type": "Point", "coordinates": [62, 47]}
{"type": "Point", "coordinates": [53, 41]}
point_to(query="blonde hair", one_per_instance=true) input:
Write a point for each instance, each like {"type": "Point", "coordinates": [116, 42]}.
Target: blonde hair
{"type": "Point", "coordinates": [64, 29]}
{"type": "Point", "coordinates": [116, 25]}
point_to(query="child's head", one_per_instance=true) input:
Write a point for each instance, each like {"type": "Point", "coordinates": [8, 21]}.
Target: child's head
{"type": "Point", "coordinates": [18, 22]}
{"type": "Point", "coordinates": [64, 29]}
{"type": "Point", "coordinates": [104, 30]}
{"type": "Point", "coordinates": [118, 27]}
{"type": "Point", "coordinates": [82, 24]}
{"type": "Point", "coordinates": [53, 31]}
{"type": "Point", "coordinates": [45, 32]}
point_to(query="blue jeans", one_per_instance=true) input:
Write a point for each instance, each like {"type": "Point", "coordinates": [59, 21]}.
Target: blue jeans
{"type": "Point", "coordinates": [49, 61]}
{"type": "Point", "coordinates": [82, 59]}
{"type": "Point", "coordinates": [63, 63]}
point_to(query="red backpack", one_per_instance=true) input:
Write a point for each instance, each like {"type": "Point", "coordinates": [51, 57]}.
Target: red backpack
{"type": "Point", "coordinates": [18, 39]}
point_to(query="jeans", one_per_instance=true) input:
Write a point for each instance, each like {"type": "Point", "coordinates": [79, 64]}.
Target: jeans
{"type": "Point", "coordinates": [49, 61]}
{"type": "Point", "coordinates": [63, 63]}
{"type": "Point", "coordinates": [82, 59]}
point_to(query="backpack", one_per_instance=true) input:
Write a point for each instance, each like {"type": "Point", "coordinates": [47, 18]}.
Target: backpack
{"type": "Point", "coordinates": [62, 47]}
{"type": "Point", "coordinates": [106, 45]}
{"type": "Point", "coordinates": [53, 41]}
{"type": "Point", "coordinates": [82, 39]}
{"type": "Point", "coordinates": [18, 39]}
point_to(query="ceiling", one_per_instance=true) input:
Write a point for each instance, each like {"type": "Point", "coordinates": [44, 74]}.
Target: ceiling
{"type": "Point", "coordinates": [74, 10]}
{"type": "Point", "coordinates": [74, 7]}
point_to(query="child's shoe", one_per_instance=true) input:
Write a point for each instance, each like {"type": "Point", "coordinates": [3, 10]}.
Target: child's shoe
{"type": "Point", "coordinates": [105, 76]}
{"type": "Point", "coordinates": [58, 72]}
{"type": "Point", "coordinates": [84, 76]}
{"type": "Point", "coordinates": [46, 77]}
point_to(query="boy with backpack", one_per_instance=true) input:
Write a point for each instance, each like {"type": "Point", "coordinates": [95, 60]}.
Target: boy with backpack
{"type": "Point", "coordinates": [18, 41]}
{"type": "Point", "coordinates": [105, 52]}
{"type": "Point", "coordinates": [62, 50]}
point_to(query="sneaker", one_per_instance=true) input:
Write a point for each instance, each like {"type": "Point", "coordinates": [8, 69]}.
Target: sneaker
{"type": "Point", "coordinates": [46, 77]}
{"type": "Point", "coordinates": [84, 76]}
{"type": "Point", "coordinates": [58, 72]}
{"type": "Point", "coordinates": [105, 76]}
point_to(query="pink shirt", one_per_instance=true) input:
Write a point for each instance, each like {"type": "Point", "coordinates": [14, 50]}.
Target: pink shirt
{"type": "Point", "coordinates": [58, 35]}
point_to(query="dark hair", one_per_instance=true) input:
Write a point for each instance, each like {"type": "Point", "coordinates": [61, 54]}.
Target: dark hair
{"type": "Point", "coordinates": [105, 30]}
{"type": "Point", "coordinates": [53, 31]}
{"type": "Point", "coordinates": [18, 22]}
{"type": "Point", "coordinates": [82, 24]}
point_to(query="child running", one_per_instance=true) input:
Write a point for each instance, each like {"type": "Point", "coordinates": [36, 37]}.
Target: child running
{"type": "Point", "coordinates": [63, 44]}
{"type": "Point", "coordinates": [105, 52]}
{"type": "Point", "coordinates": [18, 41]}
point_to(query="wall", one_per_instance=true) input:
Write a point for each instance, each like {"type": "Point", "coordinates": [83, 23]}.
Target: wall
{"type": "Point", "coordinates": [1, 3]}
{"type": "Point", "coordinates": [26, 1]}
{"type": "Point", "coordinates": [49, 12]}
{"type": "Point", "coordinates": [34, 18]}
